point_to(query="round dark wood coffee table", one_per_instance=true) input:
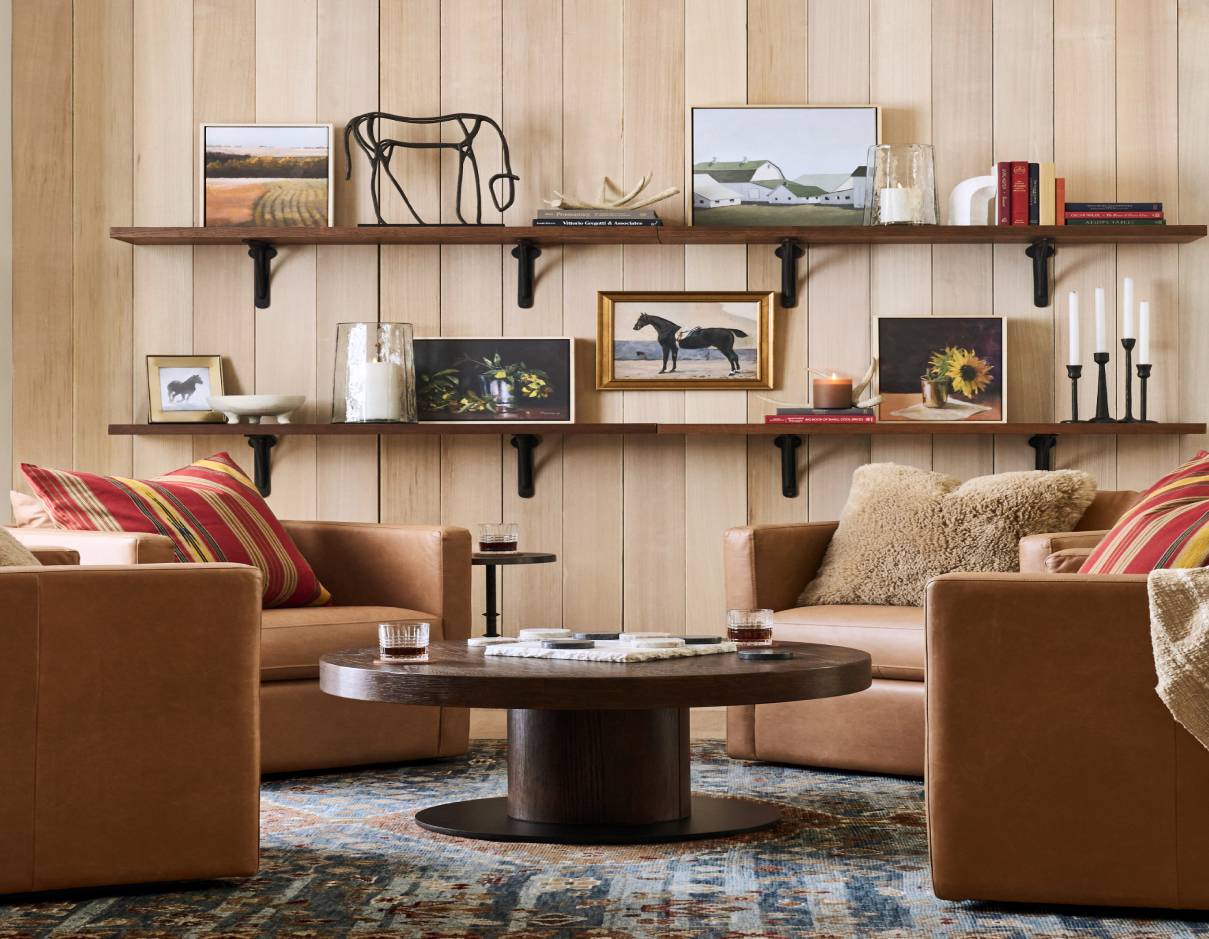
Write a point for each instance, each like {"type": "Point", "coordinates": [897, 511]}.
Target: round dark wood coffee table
{"type": "Point", "coordinates": [598, 753]}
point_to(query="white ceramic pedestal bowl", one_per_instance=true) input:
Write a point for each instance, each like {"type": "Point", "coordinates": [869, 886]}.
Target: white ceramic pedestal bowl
{"type": "Point", "coordinates": [254, 407]}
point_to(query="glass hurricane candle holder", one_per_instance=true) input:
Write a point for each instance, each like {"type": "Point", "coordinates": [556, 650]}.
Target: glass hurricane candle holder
{"type": "Point", "coordinates": [375, 376]}
{"type": "Point", "coordinates": [900, 183]}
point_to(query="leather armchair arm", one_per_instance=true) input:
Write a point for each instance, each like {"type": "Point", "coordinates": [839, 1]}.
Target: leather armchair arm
{"type": "Point", "coordinates": [51, 557]}
{"type": "Point", "coordinates": [768, 566]}
{"type": "Point", "coordinates": [129, 724]}
{"type": "Point", "coordinates": [1034, 549]}
{"type": "Point", "coordinates": [101, 547]}
{"type": "Point", "coordinates": [1054, 772]}
{"type": "Point", "coordinates": [421, 567]}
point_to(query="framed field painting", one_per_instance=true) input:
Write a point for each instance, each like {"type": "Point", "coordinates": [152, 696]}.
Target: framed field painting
{"type": "Point", "coordinates": [684, 340]}
{"type": "Point", "coordinates": [781, 164]}
{"type": "Point", "coordinates": [942, 368]}
{"type": "Point", "coordinates": [269, 175]}
{"type": "Point", "coordinates": [495, 380]}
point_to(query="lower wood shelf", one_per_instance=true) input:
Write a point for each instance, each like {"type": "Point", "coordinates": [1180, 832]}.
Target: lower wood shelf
{"type": "Point", "coordinates": [527, 436]}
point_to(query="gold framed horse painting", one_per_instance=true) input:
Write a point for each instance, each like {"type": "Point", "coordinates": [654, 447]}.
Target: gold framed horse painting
{"type": "Point", "coordinates": [684, 340]}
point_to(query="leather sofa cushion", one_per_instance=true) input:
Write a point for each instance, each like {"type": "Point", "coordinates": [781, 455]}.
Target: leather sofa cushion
{"type": "Point", "coordinates": [892, 635]}
{"type": "Point", "coordinates": [1066, 561]}
{"type": "Point", "coordinates": [292, 639]}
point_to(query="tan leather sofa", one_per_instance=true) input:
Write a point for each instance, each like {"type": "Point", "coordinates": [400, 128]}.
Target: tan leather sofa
{"type": "Point", "coordinates": [880, 729]}
{"type": "Point", "coordinates": [128, 723]}
{"type": "Point", "coordinates": [374, 573]}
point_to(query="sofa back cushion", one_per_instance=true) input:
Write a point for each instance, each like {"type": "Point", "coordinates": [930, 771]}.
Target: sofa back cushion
{"type": "Point", "coordinates": [210, 510]}
{"type": "Point", "coordinates": [902, 526]}
{"type": "Point", "coordinates": [1106, 508]}
{"type": "Point", "coordinates": [1167, 527]}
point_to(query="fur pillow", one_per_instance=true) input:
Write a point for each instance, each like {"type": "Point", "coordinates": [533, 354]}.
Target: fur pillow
{"type": "Point", "coordinates": [13, 553]}
{"type": "Point", "coordinates": [903, 526]}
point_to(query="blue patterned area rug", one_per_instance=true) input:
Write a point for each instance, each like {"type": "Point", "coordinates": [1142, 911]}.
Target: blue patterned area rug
{"type": "Point", "coordinates": [342, 856]}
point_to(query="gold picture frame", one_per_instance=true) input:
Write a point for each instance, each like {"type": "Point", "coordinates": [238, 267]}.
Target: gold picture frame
{"type": "Point", "coordinates": [705, 347]}
{"type": "Point", "coordinates": [179, 388]}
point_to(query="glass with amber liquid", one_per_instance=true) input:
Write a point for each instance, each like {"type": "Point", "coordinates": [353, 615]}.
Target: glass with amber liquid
{"type": "Point", "coordinates": [749, 628]}
{"type": "Point", "coordinates": [403, 642]}
{"type": "Point", "coordinates": [499, 537]}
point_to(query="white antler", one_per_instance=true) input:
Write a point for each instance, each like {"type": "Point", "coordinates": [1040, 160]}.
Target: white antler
{"type": "Point", "coordinates": [621, 200]}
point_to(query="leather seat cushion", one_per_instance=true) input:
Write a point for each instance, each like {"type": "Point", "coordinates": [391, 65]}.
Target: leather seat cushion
{"type": "Point", "coordinates": [892, 635]}
{"type": "Point", "coordinates": [292, 639]}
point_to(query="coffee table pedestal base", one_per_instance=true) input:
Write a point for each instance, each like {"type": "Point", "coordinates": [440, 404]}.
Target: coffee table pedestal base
{"type": "Point", "coordinates": [598, 777]}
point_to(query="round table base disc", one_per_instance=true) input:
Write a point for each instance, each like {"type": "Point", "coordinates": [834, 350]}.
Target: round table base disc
{"type": "Point", "coordinates": [487, 820]}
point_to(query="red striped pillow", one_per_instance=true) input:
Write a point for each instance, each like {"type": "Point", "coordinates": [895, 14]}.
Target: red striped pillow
{"type": "Point", "coordinates": [1168, 527]}
{"type": "Point", "coordinates": [209, 509]}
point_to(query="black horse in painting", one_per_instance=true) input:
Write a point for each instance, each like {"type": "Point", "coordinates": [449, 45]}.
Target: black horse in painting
{"type": "Point", "coordinates": [697, 338]}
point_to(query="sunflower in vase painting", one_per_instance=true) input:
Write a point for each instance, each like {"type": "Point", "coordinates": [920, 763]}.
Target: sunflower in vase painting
{"type": "Point", "coordinates": [954, 370]}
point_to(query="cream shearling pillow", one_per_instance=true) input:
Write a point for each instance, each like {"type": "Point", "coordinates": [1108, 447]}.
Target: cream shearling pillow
{"type": "Point", "coordinates": [13, 553]}
{"type": "Point", "coordinates": [902, 526]}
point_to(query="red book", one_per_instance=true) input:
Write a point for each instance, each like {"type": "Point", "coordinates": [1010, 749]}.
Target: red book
{"type": "Point", "coordinates": [820, 419]}
{"type": "Point", "coordinates": [1060, 200]}
{"type": "Point", "coordinates": [1114, 214]}
{"type": "Point", "coordinates": [1019, 192]}
{"type": "Point", "coordinates": [1003, 195]}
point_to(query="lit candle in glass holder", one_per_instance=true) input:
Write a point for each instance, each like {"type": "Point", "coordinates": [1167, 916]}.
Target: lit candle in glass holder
{"type": "Point", "coordinates": [833, 392]}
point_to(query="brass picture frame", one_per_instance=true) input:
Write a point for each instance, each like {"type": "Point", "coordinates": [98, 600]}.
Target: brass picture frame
{"type": "Point", "coordinates": [179, 388]}
{"type": "Point", "coordinates": [704, 347]}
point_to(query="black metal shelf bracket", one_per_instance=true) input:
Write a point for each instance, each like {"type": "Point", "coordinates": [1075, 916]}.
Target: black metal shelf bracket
{"type": "Point", "coordinates": [788, 445]}
{"type": "Point", "coordinates": [261, 253]}
{"type": "Point", "coordinates": [1043, 449]}
{"type": "Point", "coordinates": [525, 252]}
{"type": "Point", "coordinates": [1041, 250]}
{"type": "Point", "coordinates": [262, 463]}
{"type": "Point", "coordinates": [525, 445]}
{"type": "Point", "coordinates": [789, 252]}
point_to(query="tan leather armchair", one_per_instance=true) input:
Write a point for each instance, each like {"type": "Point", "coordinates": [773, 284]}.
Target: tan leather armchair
{"type": "Point", "coordinates": [1055, 774]}
{"type": "Point", "coordinates": [129, 740]}
{"type": "Point", "coordinates": [374, 573]}
{"type": "Point", "coordinates": [880, 729]}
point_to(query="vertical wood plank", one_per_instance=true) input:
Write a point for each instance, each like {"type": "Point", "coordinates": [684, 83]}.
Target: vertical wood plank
{"type": "Point", "coordinates": [163, 195]}
{"type": "Point", "coordinates": [102, 174]}
{"type": "Point", "coordinates": [6, 250]}
{"type": "Point", "coordinates": [42, 334]}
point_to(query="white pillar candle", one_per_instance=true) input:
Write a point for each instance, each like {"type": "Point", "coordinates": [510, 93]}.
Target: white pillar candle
{"type": "Point", "coordinates": [895, 205]}
{"type": "Point", "coordinates": [1072, 356]}
{"type": "Point", "coordinates": [383, 391]}
{"type": "Point", "coordinates": [1101, 323]}
{"type": "Point", "coordinates": [1127, 326]}
{"type": "Point", "coordinates": [1144, 333]}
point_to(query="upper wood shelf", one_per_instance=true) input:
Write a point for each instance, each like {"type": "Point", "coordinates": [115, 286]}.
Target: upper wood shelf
{"type": "Point", "coordinates": [665, 234]}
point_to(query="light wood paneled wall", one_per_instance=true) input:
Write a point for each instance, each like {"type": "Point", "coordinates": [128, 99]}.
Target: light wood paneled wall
{"type": "Point", "coordinates": [106, 100]}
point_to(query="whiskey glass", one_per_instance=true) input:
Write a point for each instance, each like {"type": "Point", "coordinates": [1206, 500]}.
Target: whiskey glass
{"type": "Point", "coordinates": [749, 629]}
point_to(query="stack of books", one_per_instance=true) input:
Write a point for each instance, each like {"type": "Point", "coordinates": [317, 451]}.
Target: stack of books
{"type": "Point", "coordinates": [1028, 194]}
{"type": "Point", "coordinates": [602, 218]}
{"type": "Point", "coordinates": [822, 416]}
{"type": "Point", "coordinates": [1114, 213]}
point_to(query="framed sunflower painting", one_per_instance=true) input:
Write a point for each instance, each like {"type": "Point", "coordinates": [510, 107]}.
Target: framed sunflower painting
{"type": "Point", "coordinates": [942, 368]}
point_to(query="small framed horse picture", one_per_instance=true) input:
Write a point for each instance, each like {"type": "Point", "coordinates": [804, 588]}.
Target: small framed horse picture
{"type": "Point", "coordinates": [684, 340]}
{"type": "Point", "coordinates": [179, 388]}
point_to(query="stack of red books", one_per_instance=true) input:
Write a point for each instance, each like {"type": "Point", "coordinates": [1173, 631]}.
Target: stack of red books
{"type": "Point", "coordinates": [1028, 194]}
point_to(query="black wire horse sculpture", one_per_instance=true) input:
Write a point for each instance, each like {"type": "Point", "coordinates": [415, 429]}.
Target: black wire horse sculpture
{"type": "Point", "coordinates": [366, 130]}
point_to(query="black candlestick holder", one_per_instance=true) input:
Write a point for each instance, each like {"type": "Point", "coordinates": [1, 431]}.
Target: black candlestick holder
{"type": "Point", "coordinates": [1102, 415]}
{"type": "Point", "coordinates": [1074, 373]}
{"type": "Point", "coordinates": [1127, 345]}
{"type": "Point", "coordinates": [1143, 377]}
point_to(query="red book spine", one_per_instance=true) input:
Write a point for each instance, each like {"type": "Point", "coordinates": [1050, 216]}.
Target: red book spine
{"type": "Point", "coordinates": [1114, 214]}
{"type": "Point", "coordinates": [1019, 192]}
{"type": "Point", "coordinates": [1003, 199]}
{"type": "Point", "coordinates": [820, 419]}
{"type": "Point", "coordinates": [1060, 199]}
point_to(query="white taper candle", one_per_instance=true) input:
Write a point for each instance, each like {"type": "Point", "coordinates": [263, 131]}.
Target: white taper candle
{"type": "Point", "coordinates": [1127, 328]}
{"type": "Point", "coordinates": [1101, 324]}
{"type": "Point", "coordinates": [1144, 333]}
{"type": "Point", "coordinates": [1072, 356]}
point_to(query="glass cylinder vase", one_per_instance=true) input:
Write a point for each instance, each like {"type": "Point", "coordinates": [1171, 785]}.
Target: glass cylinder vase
{"type": "Point", "coordinates": [901, 185]}
{"type": "Point", "coordinates": [375, 374]}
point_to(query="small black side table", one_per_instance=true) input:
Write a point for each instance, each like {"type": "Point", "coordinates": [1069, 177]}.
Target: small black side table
{"type": "Point", "coordinates": [491, 560]}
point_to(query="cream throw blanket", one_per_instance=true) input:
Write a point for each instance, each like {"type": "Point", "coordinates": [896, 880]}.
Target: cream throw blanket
{"type": "Point", "coordinates": [1179, 635]}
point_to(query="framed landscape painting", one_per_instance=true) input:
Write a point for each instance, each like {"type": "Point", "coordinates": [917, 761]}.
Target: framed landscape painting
{"type": "Point", "coordinates": [781, 165]}
{"type": "Point", "coordinates": [684, 340]}
{"type": "Point", "coordinates": [942, 368]}
{"type": "Point", "coordinates": [495, 380]}
{"type": "Point", "coordinates": [268, 175]}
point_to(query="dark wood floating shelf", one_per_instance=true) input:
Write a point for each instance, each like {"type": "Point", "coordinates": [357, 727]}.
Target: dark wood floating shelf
{"type": "Point", "coordinates": [527, 242]}
{"type": "Point", "coordinates": [526, 437]}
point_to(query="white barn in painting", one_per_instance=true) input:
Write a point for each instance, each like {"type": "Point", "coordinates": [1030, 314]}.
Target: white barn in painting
{"type": "Point", "coordinates": [708, 194]}
{"type": "Point", "coordinates": [851, 192]}
{"type": "Point", "coordinates": [751, 180]}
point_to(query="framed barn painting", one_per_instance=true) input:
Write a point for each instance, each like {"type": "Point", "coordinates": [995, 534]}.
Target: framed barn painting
{"type": "Point", "coordinates": [495, 380]}
{"type": "Point", "coordinates": [942, 368]}
{"type": "Point", "coordinates": [266, 175]}
{"type": "Point", "coordinates": [684, 340]}
{"type": "Point", "coordinates": [781, 164]}
{"type": "Point", "coordinates": [179, 388]}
